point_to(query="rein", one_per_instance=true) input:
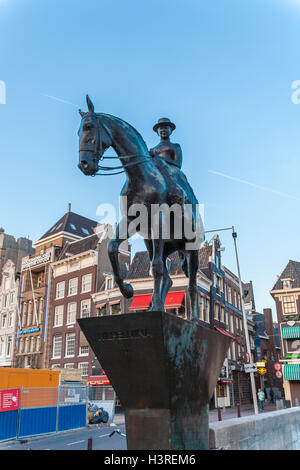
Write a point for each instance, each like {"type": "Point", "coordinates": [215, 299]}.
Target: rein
{"type": "Point", "coordinates": [98, 153]}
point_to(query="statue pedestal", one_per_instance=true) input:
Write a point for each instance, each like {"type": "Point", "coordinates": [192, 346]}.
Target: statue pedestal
{"type": "Point", "coordinates": [164, 370]}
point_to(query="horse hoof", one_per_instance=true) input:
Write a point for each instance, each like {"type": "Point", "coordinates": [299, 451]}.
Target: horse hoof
{"type": "Point", "coordinates": [127, 291]}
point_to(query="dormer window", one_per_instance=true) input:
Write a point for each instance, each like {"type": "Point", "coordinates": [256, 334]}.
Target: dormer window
{"type": "Point", "coordinates": [287, 283]}
{"type": "Point", "coordinates": [109, 283]}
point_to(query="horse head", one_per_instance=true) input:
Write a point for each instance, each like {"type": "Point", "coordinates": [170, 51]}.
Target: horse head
{"type": "Point", "coordinates": [94, 139]}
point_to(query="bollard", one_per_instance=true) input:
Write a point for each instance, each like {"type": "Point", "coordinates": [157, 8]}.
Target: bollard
{"type": "Point", "coordinates": [90, 443]}
{"type": "Point", "coordinates": [219, 414]}
{"type": "Point", "coordinates": [238, 407]}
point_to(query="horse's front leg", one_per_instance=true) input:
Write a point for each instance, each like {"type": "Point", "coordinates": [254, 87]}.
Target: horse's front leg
{"type": "Point", "coordinates": [157, 301]}
{"type": "Point", "coordinates": [120, 235]}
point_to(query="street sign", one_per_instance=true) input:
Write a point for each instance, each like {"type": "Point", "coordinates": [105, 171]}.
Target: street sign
{"type": "Point", "coordinates": [250, 368]}
{"type": "Point", "coordinates": [277, 366]}
{"type": "Point", "coordinates": [261, 364]}
{"type": "Point", "coordinates": [261, 370]}
{"type": "Point", "coordinates": [279, 374]}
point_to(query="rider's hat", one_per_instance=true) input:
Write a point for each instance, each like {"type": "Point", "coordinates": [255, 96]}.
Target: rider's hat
{"type": "Point", "coordinates": [164, 122]}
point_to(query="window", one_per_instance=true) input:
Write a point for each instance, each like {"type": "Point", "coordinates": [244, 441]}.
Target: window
{"type": "Point", "coordinates": [84, 366]}
{"type": "Point", "coordinates": [231, 324]}
{"type": "Point", "coordinates": [2, 343]}
{"type": "Point", "coordinates": [32, 343]}
{"type": "Point", "coordinates": [109, 283]}
{"type": "Point", "coordinates": [101, 311]}
{"type": "Point", "coordinates": [206, 311]}
{"type": "Point", "coordinates": [217, 311]}
{"type": "Point", "coordinates": [85, 308]}
{"type": "Point", "coordinates": [229, 295]}
{"type": "Point", "coordinates": [57, 345]}
{"type": "Point", "coordinates": [10, 319]}
{"type": "Point", "coordinates": [84, 350]}
{"type": "Point", "coordinates": [287, 283]}
{"type": "Point", "coordinates": [58, 315]}
{"type": "Point", "coordinates": [201, 305]}
{"type": "Point", "coordinates": [115, 308]}
{"type": "Point", "coordinates": [27, 362]}
{"type": "Point", "coordinates": [73, 285]}
{"type": "Point", "coordinates": [12, 298]}
{"type": "Point", "coordinates": [289, 305]}
{"type": "Point", "coordinates": [71, 313]}
{"type": "Point", "coordinates": [38, 343]}
{"type": "Point", "coordinates": [5, 297]}
{"type": "Point", "coordinates": [41, 307]}
{"type": "Point", "coordinates": [86, 284]}
{"type": "Point", "coordinates": [3, 323]}
{"type": "Point", "coordinates": [21, 345]}
{"type": "Point", "coordinates": [60, 290]}
{"type": "Point", "coordinates": [69, 365]}
{"type": "Point", "coordinates": [70, 344]}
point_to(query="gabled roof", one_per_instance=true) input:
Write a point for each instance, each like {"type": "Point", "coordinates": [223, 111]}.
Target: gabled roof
{"type": "Point", "coordinates": [80, 246]}
{"type": "Point", "coordinates": [140, 266]}
{"type": "Point", "coordinates": [291, 271]}
{"type": "Point", "coordinates": [74, 224]}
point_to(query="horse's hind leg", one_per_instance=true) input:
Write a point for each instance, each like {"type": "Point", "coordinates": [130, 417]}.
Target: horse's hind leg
{"type": "Point", "coordinates": [113, 253]}
{"type": "Point", "coordinates": [193, 264]}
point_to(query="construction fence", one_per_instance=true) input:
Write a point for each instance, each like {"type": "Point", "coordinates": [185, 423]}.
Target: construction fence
{"type": "Point", "coordinates": [28, 412]}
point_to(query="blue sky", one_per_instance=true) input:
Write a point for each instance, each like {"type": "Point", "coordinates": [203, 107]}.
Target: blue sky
{"type": "Point", "coordinates": [221, 70]}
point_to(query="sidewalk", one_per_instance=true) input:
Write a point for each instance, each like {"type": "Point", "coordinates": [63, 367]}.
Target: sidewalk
{"type": "Point", "coordinates": [228, 413]}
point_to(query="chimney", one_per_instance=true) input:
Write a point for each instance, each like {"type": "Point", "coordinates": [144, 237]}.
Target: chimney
{"type": "Point", "coordinates": [69, 207]}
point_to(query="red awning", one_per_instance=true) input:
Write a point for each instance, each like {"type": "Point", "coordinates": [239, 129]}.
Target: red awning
{"type": "Point", "coordinates": [98, 380]}
{"type": "Point", "coordinates": [227, 381]}
{"type": "Point", "coordinates": [141, 302]}
{"type": "Point", "coordinates": [225, 333]}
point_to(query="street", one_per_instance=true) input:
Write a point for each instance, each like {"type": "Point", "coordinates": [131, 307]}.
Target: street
{"type": "Point", "coordinates": [78, 439]}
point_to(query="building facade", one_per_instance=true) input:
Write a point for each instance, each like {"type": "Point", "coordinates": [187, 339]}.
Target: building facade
{"type": "Point", "coordinates": [32, 344]}
{"type": "Point", "coordinates": [77, 275]}
{"type": "Point", "coordinates": [8, 312]}
{"type": "Point", "coordinates": [286, 293]}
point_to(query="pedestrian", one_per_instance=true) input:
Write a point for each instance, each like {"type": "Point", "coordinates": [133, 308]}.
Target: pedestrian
{"type": "Point", "coordinates": [261, 399]}
{"type": "Point", "coordinates": [271, 396]}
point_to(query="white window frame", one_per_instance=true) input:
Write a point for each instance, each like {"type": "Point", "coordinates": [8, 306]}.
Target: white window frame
{"type": "Point", "coordinates": [58, 316]}
{"type": "Point", "coordinates": [71, 315]}
{"type": "Point", "coordinates": [82, 365]}
{"type": "Point", "coordinates": [67, 344]}
{"type": "Point", "coordinates": [86, 285]}
{"type": "Point", "coordinates": [82, 304]}
{"type": "Point", "coordinates": [83, 353]}
{"type": "Point", "coordinates": [75, 287]}
{"type": "Point", "coordinates": [55, 338]}
{"type": "Point", "coordinates": [60, 290]}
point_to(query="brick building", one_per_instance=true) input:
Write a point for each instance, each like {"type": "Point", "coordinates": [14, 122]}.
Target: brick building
{"type": "Point", "coordinates": [77, 274]}
{"type": "Point", "coordinates": [32, 345]}
{"type": "Point", "coordinates": [286, 293]}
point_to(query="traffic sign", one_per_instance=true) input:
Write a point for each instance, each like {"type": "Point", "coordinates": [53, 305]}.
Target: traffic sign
{"type": "Point", "coordinates": [277, 366]}
{"type": "Point", "coordinates": [261, 364]}
{"type": "Point", "coordinates": [261, 370]}
{"type": "Point", "coordinates": [279, 374]}
{"type": "Point", "coordinates": [250, 368]}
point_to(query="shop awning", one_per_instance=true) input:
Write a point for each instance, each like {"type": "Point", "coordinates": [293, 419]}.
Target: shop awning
{"type": "Point", "coordinates": [98, 380]}
{"type": "Point", "coordinates": [142, 302]}
{"type": "Point", "coordinates": [225, 333]}
{"type": "Point", "coordinates": [291, 332]}
{"type": "Point", "coordinates": [291, 372]}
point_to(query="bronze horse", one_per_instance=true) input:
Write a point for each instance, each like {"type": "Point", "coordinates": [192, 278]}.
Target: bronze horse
{"type": "Point", "coordinates": [149, 183]}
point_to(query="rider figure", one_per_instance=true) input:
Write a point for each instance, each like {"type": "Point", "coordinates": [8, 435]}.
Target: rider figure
{"type": "Point", "coordinates": [166, 149]}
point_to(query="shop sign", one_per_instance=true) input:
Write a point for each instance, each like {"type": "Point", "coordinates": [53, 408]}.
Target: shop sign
{"type": "Point", "coordinates": [9, 399]}
{"type": "Point", "coordinates": [98, 380]}
{"type": "Point", "coordinates": [262, 370]}
{"type": "Point", "coordinates": [31, 330]}
{"type": "Point", "coordinates": [36, 260]}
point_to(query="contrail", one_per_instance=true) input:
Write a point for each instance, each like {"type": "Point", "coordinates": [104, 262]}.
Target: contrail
{"type": "Point", "coordinates": [263, 188]}
{"type": "Point", "coordinates": [59, 99]}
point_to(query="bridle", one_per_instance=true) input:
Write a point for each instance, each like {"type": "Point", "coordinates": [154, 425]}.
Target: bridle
{"type": "Point", "coordinates": [98, 154]}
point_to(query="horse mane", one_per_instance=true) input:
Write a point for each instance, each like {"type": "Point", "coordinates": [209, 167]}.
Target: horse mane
{"type": "Point", "coordinates": [116, 118]}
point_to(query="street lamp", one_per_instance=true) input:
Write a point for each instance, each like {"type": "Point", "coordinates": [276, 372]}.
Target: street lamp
{"type": "Point", "coordinates": [253, 388]}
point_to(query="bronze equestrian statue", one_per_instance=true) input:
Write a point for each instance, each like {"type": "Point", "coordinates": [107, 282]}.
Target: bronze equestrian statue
{"type": "Point", "coordinates": [152, 179]}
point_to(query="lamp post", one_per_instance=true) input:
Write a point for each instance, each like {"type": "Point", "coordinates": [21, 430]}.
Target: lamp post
{"type": "Point", "coordinates": [253, 388]}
